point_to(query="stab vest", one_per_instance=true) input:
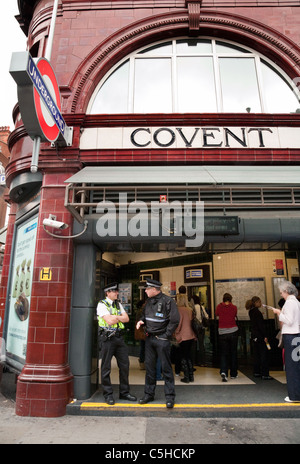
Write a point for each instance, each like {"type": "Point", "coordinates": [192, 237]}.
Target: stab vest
{"type": "Point", "coordinates": [114, 311]}
{"type": "Point", "coordinates": [157, 313]}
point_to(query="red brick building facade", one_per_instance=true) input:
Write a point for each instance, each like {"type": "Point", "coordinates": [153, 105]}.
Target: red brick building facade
{"type": "Point", "coordinates": [91, 37]}
{"type": "Point", "coordinates": [4, 158]}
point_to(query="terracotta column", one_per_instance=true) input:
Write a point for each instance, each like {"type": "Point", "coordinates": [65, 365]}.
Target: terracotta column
{"type": "Point", "coordinates": [45, 384]}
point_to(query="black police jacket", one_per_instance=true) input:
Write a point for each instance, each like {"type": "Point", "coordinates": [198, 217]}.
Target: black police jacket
{"type": "Point", "coordinates": [160, 316]}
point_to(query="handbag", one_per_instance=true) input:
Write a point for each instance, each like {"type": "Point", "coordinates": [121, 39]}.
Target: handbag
{"type": "Point", "coordinates": [139, 334]}
{"type": "Point", "coordinates": [205, 320]}
{"type": "Point", "coordinates": [196, 324]}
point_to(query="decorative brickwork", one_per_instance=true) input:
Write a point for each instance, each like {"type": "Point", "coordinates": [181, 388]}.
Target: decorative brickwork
{"type": "Point", "coordinates": [90, 38]}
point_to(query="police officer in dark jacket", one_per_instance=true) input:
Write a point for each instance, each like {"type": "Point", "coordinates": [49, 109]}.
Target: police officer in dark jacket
{"type": "Point", "coordinates": [160, 318]}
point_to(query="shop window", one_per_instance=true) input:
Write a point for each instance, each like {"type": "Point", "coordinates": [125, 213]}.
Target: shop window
{"type": "Point", "coordinates": [195, 75]}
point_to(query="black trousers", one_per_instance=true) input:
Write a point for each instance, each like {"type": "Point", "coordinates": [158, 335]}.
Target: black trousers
{"type": "Point", "coordinates": [260, 358]}
{"type": "Point", "coordinates": [291, 343]}
{"type": "Point", "coordinates": [115, 346]}
{"type": "Point", "coordinates": [228, 350]}
{"type": "Point", "coordinates": [158, 348]}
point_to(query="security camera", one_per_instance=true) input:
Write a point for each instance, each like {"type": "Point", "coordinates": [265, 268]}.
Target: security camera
{"type": "Point", "coordinates": [53, 223]}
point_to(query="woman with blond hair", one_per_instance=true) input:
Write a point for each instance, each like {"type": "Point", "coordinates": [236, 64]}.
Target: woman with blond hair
{"type": "Point", "coordinates": [185, 336]}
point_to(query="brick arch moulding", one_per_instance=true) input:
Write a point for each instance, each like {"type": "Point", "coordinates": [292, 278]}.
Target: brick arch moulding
{"type": "Point", "coordinates": [281, 50]}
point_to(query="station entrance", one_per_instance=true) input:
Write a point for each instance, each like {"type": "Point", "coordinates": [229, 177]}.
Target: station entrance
{"type": "Point", "coordinates": [223, 272]}
{"type": "Point", "coordinates": [206, 395]}
{"type": "Point", "coordinates": [250, 242]}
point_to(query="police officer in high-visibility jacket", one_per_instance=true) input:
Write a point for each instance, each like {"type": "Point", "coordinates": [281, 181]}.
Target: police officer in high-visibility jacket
{"type": "Point", "coordinates": [160, 318]}
{"type": "Point", "coordinates": [111, 319]}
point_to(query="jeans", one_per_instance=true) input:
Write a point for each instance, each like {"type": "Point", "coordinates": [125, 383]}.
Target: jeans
{"type": "Point", "coordinates": [260, 358]}
{"type": "Point", "coordinates": [228, 350]}
{"type": "Point", "coordinates": [200, 355]}
{"type": "Point", "coordinates": [291, 343]}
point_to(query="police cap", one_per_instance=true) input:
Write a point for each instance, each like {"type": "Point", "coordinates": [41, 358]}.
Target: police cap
{"type": "Point", "coordinates": [111, 287]}
{"type": "Point", "coordinates": [153, 283]}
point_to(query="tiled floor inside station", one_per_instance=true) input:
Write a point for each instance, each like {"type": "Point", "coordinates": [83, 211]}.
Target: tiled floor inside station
{"type": "Point", "coordinates": [206, 396]}
{"type": "Point", "coordinates": [202, 375]}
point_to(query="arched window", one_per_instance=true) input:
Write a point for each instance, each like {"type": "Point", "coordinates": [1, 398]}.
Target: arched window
{"type": "Point", "coordinates": [195, 76]}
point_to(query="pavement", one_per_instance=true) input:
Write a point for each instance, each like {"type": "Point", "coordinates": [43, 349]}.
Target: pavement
{"type": "Point", "coordinates": [223, 414]}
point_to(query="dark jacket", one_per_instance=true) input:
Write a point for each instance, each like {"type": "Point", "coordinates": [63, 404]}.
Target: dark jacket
{"type": "Point", "coordinates": [257, 324]}
{"type": "Point", "coordinates": [160, 316]}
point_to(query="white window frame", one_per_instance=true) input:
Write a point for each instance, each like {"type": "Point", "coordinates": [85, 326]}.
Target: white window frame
{"type": "Point", "coordinates": [215, 56]}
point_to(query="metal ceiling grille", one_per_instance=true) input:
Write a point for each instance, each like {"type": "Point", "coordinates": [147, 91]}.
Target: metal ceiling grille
{"type": "Point", "coordinates": [83, 199]}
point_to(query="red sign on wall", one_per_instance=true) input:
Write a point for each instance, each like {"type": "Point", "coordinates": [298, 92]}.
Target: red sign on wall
{"type": "Point", "coordinates": [279, 266]}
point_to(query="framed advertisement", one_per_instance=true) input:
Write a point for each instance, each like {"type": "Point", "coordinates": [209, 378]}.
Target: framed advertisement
{"type": "Point", "coordinates": [19, 293]}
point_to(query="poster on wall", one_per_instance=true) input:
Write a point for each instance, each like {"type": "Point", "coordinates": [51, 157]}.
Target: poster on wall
{"type": "Point", "coordinates": [125, 291]}
{"type": "Point", "coordinates": [241, 291]}
{"type": "Point", "coordinates": [20, 290]}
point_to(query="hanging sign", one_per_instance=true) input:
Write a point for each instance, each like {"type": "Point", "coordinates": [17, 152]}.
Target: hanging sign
{"type": "Point", "coordinates": [192, 273]}
{"type": "Point", "coordinates": [39, 98]}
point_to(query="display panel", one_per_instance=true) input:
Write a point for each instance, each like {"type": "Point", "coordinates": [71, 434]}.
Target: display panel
{"type": "Point", "coordinates": [19, 294]}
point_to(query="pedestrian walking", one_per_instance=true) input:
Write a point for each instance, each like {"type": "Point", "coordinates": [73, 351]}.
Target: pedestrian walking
{"type": "Point", "coordinates": [228, 337]}
{"type": "Point", "coordinates": [259, 340]}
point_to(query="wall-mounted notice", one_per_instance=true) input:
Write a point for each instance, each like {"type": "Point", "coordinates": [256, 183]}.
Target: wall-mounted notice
{"type": "Point", "coordinates": [125, 296]}
{"type": "Point", "coordinates": [241, 291]}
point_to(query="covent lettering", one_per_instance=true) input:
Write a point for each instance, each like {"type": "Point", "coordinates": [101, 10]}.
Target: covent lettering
{"type": "Point", "coordinates": [208, 136]}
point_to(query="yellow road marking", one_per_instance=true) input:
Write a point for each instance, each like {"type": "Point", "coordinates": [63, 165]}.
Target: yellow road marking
{"type": "Point", "coordinates": [186, 406]}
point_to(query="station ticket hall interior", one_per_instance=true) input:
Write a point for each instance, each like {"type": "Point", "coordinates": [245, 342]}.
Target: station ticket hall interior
{"type": "Point", "coordinates": [255, 270]}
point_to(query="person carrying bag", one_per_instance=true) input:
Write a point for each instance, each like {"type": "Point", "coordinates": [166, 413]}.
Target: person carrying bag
{"type": "Point", "coordinates": [199, 322]}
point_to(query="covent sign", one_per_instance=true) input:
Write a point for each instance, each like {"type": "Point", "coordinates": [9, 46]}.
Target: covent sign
{"type": "Point", "coordinates": [210, 136]}
{"type": "Point", "coordinates": [187, 137]}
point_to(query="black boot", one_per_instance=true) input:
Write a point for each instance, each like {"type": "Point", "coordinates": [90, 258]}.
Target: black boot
{"type": "Point", "coordinates": [191, 370]}
{"type": "Point", "coordinates": [185, 369]}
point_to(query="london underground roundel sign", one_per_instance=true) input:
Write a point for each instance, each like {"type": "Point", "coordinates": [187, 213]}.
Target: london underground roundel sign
{"type": "Point", "coordinates": [39, 97]}
{"type": "Point", "coordinates": [47, 101]}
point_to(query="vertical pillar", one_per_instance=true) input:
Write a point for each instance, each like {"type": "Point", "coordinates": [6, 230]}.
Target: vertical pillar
{"type": "Point", "coordinates": [83, 330]}
{"type": "Point", "coordinates": [45, 385]}
{"type": "Point", "coordinates": [298, 259]}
